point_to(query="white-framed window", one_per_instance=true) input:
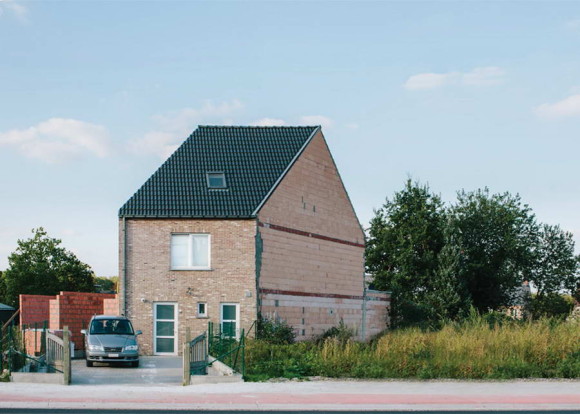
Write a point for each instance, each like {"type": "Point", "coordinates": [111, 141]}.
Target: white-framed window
{"type": "Point", "coordinates": [201, 310]}
{"type": "Point", "coordinates": [190, 251]}
{"type": "Point", "coordinates": [230, 320]}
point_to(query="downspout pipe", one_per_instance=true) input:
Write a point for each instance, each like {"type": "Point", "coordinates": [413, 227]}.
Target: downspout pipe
{"type": "Point", "coordinates": [123, 301]}
{"type": "Point", "coordinates": [364, 311]}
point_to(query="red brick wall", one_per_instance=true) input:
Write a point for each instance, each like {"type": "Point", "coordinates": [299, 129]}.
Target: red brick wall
{"type": "Point", "coordinates": [34, 309]}
{"type": "Point", "coordinates": [72, 309]}
{"type": "Point", "coordinates": [75, 309]}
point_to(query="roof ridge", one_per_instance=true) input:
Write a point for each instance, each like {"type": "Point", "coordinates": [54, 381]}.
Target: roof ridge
{"type": "Point", "coordinates": [259, 126]}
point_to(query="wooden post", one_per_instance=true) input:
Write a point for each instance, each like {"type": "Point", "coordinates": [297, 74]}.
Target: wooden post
{"type": "Point", "coordinates": [186, 357]}
{"type": "Point", "coordinates": [66, 365]}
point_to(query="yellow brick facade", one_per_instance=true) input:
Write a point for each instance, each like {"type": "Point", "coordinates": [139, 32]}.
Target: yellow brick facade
{"type": "Point", "coordinates": [150, 280]}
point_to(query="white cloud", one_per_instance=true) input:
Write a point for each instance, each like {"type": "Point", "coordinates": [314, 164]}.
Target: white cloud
{"type": "Point", "coordinates": [14, 7]}
{"type": "Point", "coordinates": [321, 120]}
{"type": "Point", "coordinates": [159, 143]}
{"type": "Point", "coordinates": [569, 106]}
{"type": "Point", "coordinates": [268, 122]}
{"type": "Point", "coordinates": [482, 76]}
{"type": "Point", "coordinates": [173, 127]}
{"type": "Point", "coordinates": [428, 81]}
{"type": "Point", "coordinates": [58, 139]}
{"type": "Point", "coordinates": [352, 125]}
{"type": "Point", "coordinates": [185, 120]}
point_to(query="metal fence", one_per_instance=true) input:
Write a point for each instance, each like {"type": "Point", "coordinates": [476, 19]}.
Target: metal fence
{"type": "Point", "coordinates": [33, 348]}
{"type": "Point", "coordinates": [223, 347]}
{"type": "Point", "coordinates": [226, 348]}
{"type": "Point", "coordinates": [12, 348]}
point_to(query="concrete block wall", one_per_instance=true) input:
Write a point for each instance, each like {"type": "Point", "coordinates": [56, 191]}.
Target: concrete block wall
{"type": "Point", "coordinates": [378, 309]}
{"type": "Point", "coordinates": [150, 280]}
{"type": "Point", "coordinates": [310, 316]}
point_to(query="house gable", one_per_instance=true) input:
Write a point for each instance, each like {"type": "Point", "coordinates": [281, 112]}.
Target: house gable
{"type": "Point", "coordinates": [311, 197]}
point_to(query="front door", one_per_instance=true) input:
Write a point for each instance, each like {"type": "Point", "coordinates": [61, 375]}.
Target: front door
{"type": "Point", "coordinates": [165, 329]}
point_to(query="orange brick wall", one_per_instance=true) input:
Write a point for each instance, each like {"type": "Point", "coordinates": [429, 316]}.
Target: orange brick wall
{"type": "Point", "coordinates": [150, 279]}
{"type": "Point", "coordinates": [312, 197]}
{"type": "Point", "coordinates": [33, 340]}
{"type": "Point", "coordinates": [111, 306]}
{"type": "Point", "coordinates": [313, 251]}
{"type": "Point", "coordinates": [34, 309]}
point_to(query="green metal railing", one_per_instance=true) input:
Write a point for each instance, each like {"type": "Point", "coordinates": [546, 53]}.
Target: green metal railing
{"type": "Point", "coordinates": [24, 349]}
{"type": "Point", "coordinates": [222, 346]}
{"type": "Point", "coordinates": [12, 348]}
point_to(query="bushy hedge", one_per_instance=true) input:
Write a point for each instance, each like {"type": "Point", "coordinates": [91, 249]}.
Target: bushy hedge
{"type": "Point", "coordinates": [474, 349]}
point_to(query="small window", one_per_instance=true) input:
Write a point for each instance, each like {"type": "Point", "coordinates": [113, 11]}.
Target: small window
{"type": "Point", "coordinates": [190, 251]}
{"type": "Point", "coordinates": [216, 180]}
{"type": "Point", "coordinates": [201, 310]}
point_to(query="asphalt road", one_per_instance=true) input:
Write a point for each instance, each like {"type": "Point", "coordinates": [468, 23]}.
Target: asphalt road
{"type": "Point", "coordinates": [69, 411]}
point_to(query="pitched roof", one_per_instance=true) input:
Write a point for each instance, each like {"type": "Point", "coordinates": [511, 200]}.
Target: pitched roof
{"type": "Point", "coordinates": [254, 159]}
{"type": "Point", "coordinates": [4, 307]}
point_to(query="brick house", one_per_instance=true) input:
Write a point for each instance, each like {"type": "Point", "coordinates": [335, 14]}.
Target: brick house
{"type": "Point", "coordinates": [242, 221]}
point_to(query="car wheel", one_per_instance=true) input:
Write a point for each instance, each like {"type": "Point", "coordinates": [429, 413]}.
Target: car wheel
{"type": "Point", "coordinates": [135, 364]}
{"type": "Point", "coordinates": [89, 363]}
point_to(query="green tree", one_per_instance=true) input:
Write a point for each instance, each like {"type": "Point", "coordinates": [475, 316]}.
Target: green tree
{"type": "Point", "coordinates": [495, 235]}
{"type": "Point", "coordinates": [106, 284]}
{"type": "Point", "coordinates": [39, 266]}
{"type": "Point", "coordinates": [552, 305]}
{"type": "Point", "coordinates": [448, 298]}
{"type": "Point", "coordinates": [556, 268]}
{"type": "Point", "coordinates": [405, 238]}
{"type": "Point", "coordinates": [2, 287]}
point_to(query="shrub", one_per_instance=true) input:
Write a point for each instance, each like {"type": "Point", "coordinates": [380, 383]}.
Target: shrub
{"type": "Point", "coordinates": [342, 333]}
{"type": "Point", "coordinates": [275, 331]}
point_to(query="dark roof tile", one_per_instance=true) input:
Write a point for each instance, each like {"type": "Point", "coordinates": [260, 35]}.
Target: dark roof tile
{"type": "Point", "coordinates": [252, 158]}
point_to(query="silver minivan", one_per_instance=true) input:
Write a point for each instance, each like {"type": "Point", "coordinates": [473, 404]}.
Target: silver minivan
{"type": "Point", "coordinates": [111, 339]}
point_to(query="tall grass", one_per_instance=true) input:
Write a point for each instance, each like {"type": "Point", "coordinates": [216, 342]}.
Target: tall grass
{"type": "Point", "coordinates": [473, 349]}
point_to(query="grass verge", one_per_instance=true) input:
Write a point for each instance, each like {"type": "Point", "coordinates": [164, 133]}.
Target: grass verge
{"type": "Point", "coordinates": [470, 350]}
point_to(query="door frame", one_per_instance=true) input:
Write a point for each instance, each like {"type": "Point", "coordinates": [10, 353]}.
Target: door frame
{"type": "Point", "coordinates": [237, 305]}
{"type": "Point", "coordinates": [175, 332]}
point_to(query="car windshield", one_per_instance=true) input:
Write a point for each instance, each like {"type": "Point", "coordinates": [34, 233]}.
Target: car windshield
{"type": "Point", "coordinates": [111, 327]}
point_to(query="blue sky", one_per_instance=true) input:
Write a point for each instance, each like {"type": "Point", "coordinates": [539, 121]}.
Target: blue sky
{"type": "Point", "coordinates": [461, 95]}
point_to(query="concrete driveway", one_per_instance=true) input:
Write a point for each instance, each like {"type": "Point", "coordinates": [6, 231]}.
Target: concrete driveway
{"type": "Point", "coordinates": [153, 370]}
